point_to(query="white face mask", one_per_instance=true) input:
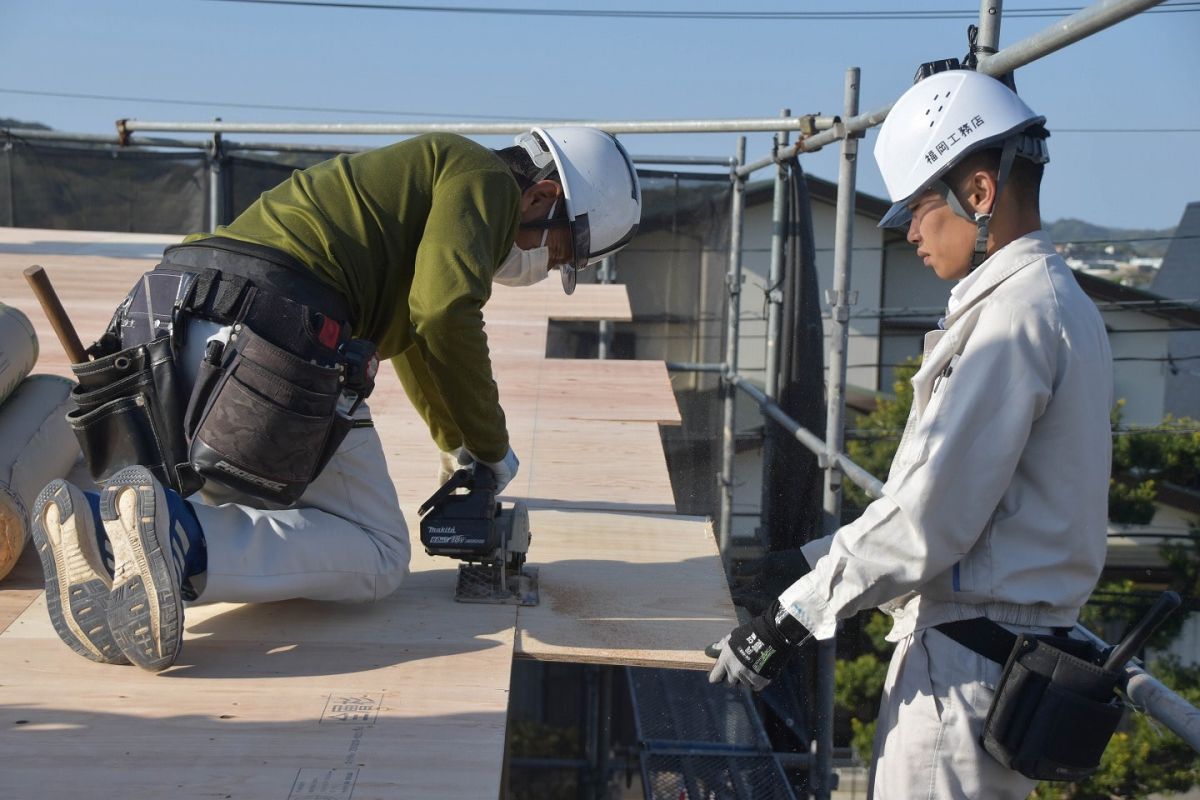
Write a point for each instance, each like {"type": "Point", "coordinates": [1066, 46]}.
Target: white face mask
{"type": "Point", "coordinates": [526, 267]}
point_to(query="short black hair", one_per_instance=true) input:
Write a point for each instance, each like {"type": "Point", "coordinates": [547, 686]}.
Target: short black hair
{"type": "Point", "coordinates": [1025, 177]}
{"type": "Point", "coordinates": [521, 165]}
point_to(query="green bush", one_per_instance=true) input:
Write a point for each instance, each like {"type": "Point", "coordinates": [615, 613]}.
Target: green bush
{"type": "Point", "coordinates": [1131, 505]}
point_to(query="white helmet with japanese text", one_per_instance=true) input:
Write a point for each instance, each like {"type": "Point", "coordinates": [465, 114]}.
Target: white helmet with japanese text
{"type": "Point", "coordinates": [942, 119]}
{"type": "Point", "coordinates": [600, 184]}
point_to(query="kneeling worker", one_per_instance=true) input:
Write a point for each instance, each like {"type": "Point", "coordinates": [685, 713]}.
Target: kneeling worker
{"type": "Point", "coordinates": [239, 365]}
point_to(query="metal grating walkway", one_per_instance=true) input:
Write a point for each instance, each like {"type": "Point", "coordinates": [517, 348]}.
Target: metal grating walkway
{"type": "Point", "coordinates": [700, 741]}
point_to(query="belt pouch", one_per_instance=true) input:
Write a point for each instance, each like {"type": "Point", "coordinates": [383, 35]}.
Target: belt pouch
{"type": "Point", "coordinates": [1053, 713]}
{"type": "Point", "coordinates": [128, 411]}
{"type": "Point", "coordinates": [261, 420]}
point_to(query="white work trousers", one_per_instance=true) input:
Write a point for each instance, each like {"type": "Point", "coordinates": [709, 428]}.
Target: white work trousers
{"type": "Point", "coordinates": [927, 746]}
{"type": "Point", "coordinates": [345, 540]}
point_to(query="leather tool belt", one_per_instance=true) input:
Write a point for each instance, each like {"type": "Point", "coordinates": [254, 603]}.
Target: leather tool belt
{"type": "Point", "coordinates": [271, 402]}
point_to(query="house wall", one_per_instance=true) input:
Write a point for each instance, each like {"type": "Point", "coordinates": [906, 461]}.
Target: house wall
{"type": "Point", "coordinates": [1138, 378]}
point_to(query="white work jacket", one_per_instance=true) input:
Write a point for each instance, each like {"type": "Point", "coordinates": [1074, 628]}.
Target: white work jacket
{"type": "Point", "coordinates": [996, 503]}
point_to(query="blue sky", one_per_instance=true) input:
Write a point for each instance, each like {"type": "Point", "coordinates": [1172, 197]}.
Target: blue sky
{"type": "Point", "coordinates": [1141, 74]}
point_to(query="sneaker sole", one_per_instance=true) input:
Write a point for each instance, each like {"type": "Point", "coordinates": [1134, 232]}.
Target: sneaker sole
{"type": "Point", "coordinates": [74, 571]}
{"type": "Point", "coordinates": [145, 610]}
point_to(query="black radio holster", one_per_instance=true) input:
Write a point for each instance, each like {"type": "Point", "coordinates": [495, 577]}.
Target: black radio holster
{"type": "Point", "coordinates": [1055, 708]}
{"type": "Point", "coordinates": [269, 406]}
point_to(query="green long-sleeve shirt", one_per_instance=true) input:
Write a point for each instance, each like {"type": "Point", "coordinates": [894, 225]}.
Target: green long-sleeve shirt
{"type": "Point", "coordinates": [411, 235]}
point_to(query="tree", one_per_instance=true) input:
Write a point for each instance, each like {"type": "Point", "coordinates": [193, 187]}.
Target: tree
{"type": "Point", "coordinates": [874, 444]}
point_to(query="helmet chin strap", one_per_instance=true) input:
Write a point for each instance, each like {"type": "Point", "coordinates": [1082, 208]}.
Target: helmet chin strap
{"type": "Point", "coordinates": [982, 220]}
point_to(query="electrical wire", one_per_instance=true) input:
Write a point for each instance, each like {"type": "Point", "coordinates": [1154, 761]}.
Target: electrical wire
{"type": "Point", "coordinates": [259, 106]}
{"type": "Point", "coordinates": [1182, 7]}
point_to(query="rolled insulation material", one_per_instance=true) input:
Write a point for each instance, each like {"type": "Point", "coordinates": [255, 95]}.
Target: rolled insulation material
{"type": "Point", "coordinates": [36, 446]}
{"type": "Point", "coordinates": [18, 349]}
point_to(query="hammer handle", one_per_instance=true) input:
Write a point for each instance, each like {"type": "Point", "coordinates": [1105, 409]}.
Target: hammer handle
{"type": "Point", "coordinates": [39, 281]}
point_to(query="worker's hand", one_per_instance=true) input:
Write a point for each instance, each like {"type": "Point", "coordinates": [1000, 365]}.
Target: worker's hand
{"type": "Point", "coordinates": [451, 462]}
{"type": "Point", "coordinates": [755, 653]}
{"type": "Point", "coordinates": [504, 470]}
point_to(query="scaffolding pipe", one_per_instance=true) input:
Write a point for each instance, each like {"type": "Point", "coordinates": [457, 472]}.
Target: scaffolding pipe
{"type": "Point", "coordinates": [1068, 30]}
{"type": "Point", "coordinates": [755, 166]}
{"type": "Point", "coordinates": [714, 161]}
{"type": "Point", "coordinates": [987, 41]}
{"type": "Point", "coordinates": [216, 184]}
{"type": "Point", "coordinates": [823, 778]}
{"type": "Point", "coordinates": [605, 275]}
{"type": "Point", "coordinates": [865, 480]}
{"type": "Point", "coordinates": [692, 366]}
{"type": "Point", "coordinates": [749, 125]}
{"type": "Point", "coordinates": [733, 310]}
{"type": "Point", "coordinates": [96, 138]}
{"type": "Point", "coordinates": [280, 147]}
{"type": "Point", "coordinates": [771, 409]}
{"type": "Point", "coordinates": [775, 272]}
{"type": "Point", "coordinates": [1145, 691]}
{"type": "Point", "coordinates": [839, 301]}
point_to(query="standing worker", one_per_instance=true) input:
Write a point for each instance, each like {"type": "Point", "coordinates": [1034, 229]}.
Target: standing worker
{"type": "Point", "coordinates": [239, 366]}
{"type": "Point", "coordinates": [995, 506]}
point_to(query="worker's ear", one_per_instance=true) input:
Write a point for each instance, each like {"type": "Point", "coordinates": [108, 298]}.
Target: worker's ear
{"type": "Point", "coordinates": [537, 200]}
{"type": "Point", "coordinates": [981, 191]}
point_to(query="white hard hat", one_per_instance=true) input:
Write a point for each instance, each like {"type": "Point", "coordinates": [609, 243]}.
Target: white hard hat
{"type": "Point", "coordinates": [604, 199]}
{"type": "Point", "coordinates": [939, 121]}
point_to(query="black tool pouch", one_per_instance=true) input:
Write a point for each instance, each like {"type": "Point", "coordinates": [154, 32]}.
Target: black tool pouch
{"type": "Point", "coordinates": [128, 408]}
{"type": "Point", "coordinates": [1054, 711]}
{"type": "Point", "coordinates": [262, 420]}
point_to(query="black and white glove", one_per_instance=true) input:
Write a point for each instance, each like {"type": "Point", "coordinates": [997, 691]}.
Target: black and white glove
{"type": "Point", "coordinates": [755, 653]}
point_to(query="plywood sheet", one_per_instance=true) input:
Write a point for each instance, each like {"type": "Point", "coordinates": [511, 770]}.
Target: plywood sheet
{"type": "Point", "coordinates": [403, 698]}
{"type": "Point", "coordinates": [624, 588]}
{"type": "Point", "coordinates": [261, 719]}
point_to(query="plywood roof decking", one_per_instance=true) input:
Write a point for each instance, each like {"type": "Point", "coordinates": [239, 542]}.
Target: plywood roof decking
{"type": "Point", "coordinates": [298, 700]}
{"type": "Point", "coordinates": [624, 581]}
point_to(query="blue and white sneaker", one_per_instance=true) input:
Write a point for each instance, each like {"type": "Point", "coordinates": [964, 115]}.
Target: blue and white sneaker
{"type": "Point", "coordinates": [78, 576]}
{"type": "Point", "coordinates": [157, 544]}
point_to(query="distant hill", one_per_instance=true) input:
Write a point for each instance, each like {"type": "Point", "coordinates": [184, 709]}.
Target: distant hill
{"type": "Point", "coordinates": [9, 122]}
{"type": "Point", "coordinates": [1088, 239]}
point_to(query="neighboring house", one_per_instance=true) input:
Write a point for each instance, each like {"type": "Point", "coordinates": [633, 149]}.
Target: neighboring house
{"type": "Point", "coordinates": [1179, 279]}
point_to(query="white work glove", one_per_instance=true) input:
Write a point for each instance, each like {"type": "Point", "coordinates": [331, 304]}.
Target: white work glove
{"type": "Point", "coordinates": [451, 462]}
{"type": "Point", "coordinates": [504, 470]}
